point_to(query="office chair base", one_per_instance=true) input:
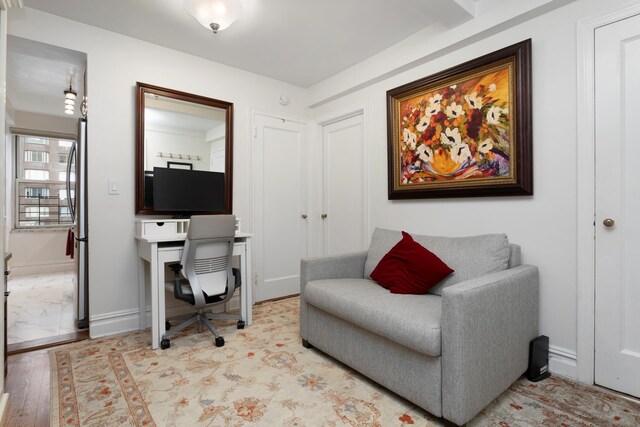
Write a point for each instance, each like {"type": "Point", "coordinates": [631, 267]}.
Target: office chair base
{"type": "Point", "coordinates": [219, 341]}
{"type": "Point", "coordinates": [167, 325]}
{"type": "Point", "coordinates": [165, 344]}
{"type": "Point", "coordinates": [240, 324]}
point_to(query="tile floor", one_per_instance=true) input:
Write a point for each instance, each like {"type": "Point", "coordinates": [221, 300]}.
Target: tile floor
{"type": "Point", "coordinates": [40, 306]}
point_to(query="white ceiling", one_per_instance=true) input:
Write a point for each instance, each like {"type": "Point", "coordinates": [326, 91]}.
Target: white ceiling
{"type": "Point", "coordinates": [297, 41]}
{"type": "Point", "coordinates": [39, 73]}
{"type": "Point", "coordinates": [301, 42]}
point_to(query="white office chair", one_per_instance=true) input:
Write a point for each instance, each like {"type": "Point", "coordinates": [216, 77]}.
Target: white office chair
{"type": "Point", "coordinates": [204, 278]}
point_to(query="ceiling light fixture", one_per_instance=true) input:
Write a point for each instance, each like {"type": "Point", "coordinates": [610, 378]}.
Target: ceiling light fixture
{"type": "Point", "coordinates": [69, 99]}
{"type": "Point", "coordinates": [214, 14]}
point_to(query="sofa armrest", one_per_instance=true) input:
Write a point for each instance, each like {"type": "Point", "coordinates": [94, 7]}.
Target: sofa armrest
{"type": "Point", "coordinates": [487, 324]}
{"type": "Point", "coordinates": [333, 267]}
{"type": "Point", "coordinates": [347, 266]}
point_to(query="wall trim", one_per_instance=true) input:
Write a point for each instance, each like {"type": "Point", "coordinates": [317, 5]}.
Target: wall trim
{"type": "Point", "coordinates": [115, 322]}
{"type": "Point", "coordinates": [563, 361]}
{"type": "Point", "coordinates": [42, 268]}
{"type": "Point", "coordinates": [4, 408]}
{"type": "Point", "coordinates": [585, 215]}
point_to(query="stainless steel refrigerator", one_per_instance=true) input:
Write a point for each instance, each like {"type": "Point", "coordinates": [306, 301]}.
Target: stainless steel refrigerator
{"type": "Point", "coordinates": [77, 165]}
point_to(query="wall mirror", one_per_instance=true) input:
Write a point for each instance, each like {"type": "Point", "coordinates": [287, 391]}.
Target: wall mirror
{"type": "Point", "coordinates": [184, 153]}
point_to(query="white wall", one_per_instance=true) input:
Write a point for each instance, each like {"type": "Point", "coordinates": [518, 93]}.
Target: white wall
{"type": "Point", "coordinates": [45, 123]}
{"type": "Point", "coordinates": [39, 252]}
{"type": "Point", "coordinates": [115, 64]}
{"type": "Point", "coordinates": [177, 141]}
{"type": "Point", "coordinates": [544, 224]}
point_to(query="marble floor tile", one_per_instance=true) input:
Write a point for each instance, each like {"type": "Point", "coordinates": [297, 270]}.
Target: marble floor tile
{"type": "Point", "coordinates": [40, 306]}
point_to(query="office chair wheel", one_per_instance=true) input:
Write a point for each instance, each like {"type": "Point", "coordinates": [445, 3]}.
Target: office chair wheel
{"type": "Point", "coordinates": [167, 325]}
{"type": "Point", "coordinates": [165, 344]}
{"type": "Point", "coordinates": [219, 342]}
{"type": "Point", "coordinates": [240, 324]}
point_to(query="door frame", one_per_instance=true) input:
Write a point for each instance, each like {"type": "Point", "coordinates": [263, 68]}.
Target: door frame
{"type": "Point", "coordinates": [318, 205]}
{"type": "Point", "coordinates": [253, 184]}
{"type": "Point", "coordinates": [585, 218]}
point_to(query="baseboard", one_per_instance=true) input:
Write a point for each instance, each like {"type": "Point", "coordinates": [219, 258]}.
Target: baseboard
{"type": "Point", "coordinates": [54, 267]}
{"type": "Point", "coordinates": [4, 409]}
{"type": "Point", "coordinates": [117, 322]}
{"type": "Point", "coordinates": [563, 362]}
{"type": "Point", "coordinates": [114, 323]}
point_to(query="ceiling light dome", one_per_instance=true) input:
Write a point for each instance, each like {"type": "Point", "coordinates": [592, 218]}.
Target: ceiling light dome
{"type": "Point", "coordinates": [214, 14]}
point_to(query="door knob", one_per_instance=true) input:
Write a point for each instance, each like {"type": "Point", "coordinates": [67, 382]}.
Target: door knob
{"type": "Point", "coordinates": [608, 222]}
{"type": "Point", "coordinates": [304, 216]}
{"type": "Point", "coordinates": [323, 216]}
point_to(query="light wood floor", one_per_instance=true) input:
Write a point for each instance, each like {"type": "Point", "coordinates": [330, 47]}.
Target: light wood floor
{"type": "Point", "coordinates": [27, 383]}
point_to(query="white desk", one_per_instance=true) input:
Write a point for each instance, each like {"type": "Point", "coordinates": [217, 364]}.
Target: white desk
{"type": "Point", "coordinates": [160, 249]}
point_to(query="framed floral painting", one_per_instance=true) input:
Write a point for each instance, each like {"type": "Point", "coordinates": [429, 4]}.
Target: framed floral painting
{"type": "Point", "coordinates": [465, 131]}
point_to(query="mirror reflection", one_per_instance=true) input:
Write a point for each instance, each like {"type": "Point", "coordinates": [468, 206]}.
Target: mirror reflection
{"type": "Point", "coordinates": [184, 153]}
{"type": "Point", "coordinates": [183, 134]}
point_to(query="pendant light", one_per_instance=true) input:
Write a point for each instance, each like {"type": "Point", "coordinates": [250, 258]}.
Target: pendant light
{"type": "Point", "coordinates": [214, 14]}
{"type": "Point", "coordinates": [69, 100]}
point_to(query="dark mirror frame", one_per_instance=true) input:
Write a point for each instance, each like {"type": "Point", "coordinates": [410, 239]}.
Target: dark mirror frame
{"type": "Point", "coordinates": [141, 90]}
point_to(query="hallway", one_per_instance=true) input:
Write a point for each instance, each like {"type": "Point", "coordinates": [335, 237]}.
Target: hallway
{"type": "Point", "coordinates": [40, 306]}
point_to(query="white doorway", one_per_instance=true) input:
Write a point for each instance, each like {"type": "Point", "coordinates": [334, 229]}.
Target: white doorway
{"type": "Point", "coordinates": [280, 201]}
{"type": "Point", "coordinates": [617, 206]}
{"type": "Point", "coordinates": [43, 285]}
{"type": "Point", "coordinates": [344, 202]}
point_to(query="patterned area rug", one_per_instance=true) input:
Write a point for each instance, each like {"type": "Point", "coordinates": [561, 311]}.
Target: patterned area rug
{"type": "Point", "coordinates": [263, 376]}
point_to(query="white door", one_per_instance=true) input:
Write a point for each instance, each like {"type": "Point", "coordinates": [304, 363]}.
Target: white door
{"type": "Point", "coordinates": [280, 199]}
{"type": "Point", "coordinates": [617, 220]}
{"type": "Point", "coordinates": [344, 205]}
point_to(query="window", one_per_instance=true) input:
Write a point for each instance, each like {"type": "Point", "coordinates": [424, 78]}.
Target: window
{"type": "Point", "coordinates": [63, 194]}
{"type": "Point", "coordinates": [36, 192]}
{"type": "Point", "coordinates": [36, 140]}
{"type": "Point", "coordinates": [36, 156]}
{"type": "Point", "coordinates": [62, 176]}
{"type": "Point", "coordinates": [41, 169]}
{"type": "Point", "coordinates": [36, 174]}
{"type": "Point", "coordinates": [65, 214]}
{"type": "Point", "coordinates": [37, 212]}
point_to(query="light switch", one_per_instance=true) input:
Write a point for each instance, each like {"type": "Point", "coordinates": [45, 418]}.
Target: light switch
{"type": "Point", "coordinates": [114, 187]}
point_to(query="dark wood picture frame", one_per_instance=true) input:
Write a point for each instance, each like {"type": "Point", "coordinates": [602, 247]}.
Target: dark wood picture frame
{"type": "Point", "coordinates": [141, 90]}
{"type": "Point", "coordinates": [465, 131]}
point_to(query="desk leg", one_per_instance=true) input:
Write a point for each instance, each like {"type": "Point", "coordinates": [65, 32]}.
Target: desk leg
{"type": "Point", "coordinates": [155, 330]}
{"type": "Point", "coordinates": [249, 287]}
{"type": "Point", "coordinates": [142, 303]}
{"type": "Point", "coordinates": [162, 260]}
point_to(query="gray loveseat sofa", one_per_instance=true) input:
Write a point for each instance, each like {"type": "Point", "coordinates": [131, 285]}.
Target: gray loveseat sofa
{"type": "Point", "coordinates": [451, 351]}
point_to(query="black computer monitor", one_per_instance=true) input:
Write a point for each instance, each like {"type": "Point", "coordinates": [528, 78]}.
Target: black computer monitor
{"type": "Point", "coordinates": [188, 191]}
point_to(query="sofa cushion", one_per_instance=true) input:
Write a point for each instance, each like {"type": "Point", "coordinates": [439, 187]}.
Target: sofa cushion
{"type": "Point", "coordinates": [410, 320]}
{"type": "Point", "coordinates": [409, 268]}
{"type": "Point", "coordinates": [470, 257]}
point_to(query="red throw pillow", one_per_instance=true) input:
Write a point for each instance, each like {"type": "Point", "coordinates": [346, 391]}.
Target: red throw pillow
{"type": "Point", "coordinates": [410, 268]}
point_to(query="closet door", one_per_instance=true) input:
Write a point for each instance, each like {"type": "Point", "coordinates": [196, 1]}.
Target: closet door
{"type": "Point", "coordinates": [344, 210]}
{"type": "Point", "coordinates": [280, 200]}
{"type": "Point", "coordinates": [617, 207]}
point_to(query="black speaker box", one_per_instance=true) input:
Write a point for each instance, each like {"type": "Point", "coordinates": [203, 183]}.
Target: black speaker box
{"type": "Point", "coordinates": [538, 359]}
